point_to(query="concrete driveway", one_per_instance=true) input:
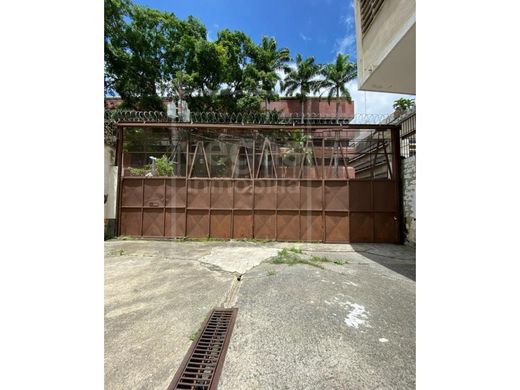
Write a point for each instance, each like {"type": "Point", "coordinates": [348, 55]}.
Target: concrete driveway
{"type": "Point", "coordinates": [344, 323]}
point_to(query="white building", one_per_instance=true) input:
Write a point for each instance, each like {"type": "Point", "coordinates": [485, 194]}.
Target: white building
{"type": "Point", "coordinates": [385, 37]}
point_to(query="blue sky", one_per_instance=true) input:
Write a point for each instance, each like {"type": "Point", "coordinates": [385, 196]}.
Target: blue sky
{"type": "Point", "coordinates": [311, 27]}
{"type": "Point", "coordinates": [319, 28]}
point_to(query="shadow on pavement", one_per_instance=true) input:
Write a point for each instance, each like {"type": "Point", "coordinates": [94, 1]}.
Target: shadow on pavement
{"type": "Point", "coordinates": [405, 267]}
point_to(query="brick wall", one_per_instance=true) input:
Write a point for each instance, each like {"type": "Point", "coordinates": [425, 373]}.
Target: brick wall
{"type": "Point", "coordinates": [408, 193]}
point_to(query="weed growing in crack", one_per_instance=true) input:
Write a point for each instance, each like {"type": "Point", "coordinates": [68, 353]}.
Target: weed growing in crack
{"type": "Point", "coordinates": [290, 256]}
{"type": "Point", "coordinates": [340, 262]}
{"type": "Point", "coordinates": [271, 272]}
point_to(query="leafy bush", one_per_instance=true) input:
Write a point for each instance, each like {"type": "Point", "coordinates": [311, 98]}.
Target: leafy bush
{"type": "Point", "coordinates": [164, 166]}
{"type": "Point", "coordinates": [139, 171]}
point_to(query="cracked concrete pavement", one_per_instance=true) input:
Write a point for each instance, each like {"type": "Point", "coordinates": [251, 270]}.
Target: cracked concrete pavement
{"type": "Point", "coordinates": [348, 326]}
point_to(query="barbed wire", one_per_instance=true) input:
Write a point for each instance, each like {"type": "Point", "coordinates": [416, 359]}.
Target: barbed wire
{"type": "Point", "coordinates": [271, 117]}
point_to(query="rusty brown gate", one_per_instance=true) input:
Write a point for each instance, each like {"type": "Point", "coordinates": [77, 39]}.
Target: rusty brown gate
{"type": "Point", "coordinates": [342, 187]}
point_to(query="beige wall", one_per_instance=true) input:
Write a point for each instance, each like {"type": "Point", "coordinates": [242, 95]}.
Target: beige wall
{"type": "Point", "coordinates": [384, 62]}
{"type": "Point", "coordinates": [110, 182]}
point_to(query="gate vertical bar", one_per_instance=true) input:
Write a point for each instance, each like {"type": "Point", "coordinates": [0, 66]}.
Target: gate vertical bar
{"type": "Point", "coordinates": [396, 167]}
{"type": "Point", "coordinates": [186, 181]}
{"type": "Point", "coordinates": [164, 208]}
{"type": "Point", "coordinates": [323, 226]}
{"type": "Point", "coordinates": [119, 157]}
{"type": "Point", "coordinates": [252, 175]}
{"type": "Point", "coordinates": [142, 208]}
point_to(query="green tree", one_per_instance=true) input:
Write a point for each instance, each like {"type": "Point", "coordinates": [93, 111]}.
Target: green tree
{"type": "Point", "coordinates": [302, 78]}
{"type": "Point", "coordinates": [336, 76]}
{"type": "Point", "coordinates": [404, 104]}
{"type": "Point", "coordinates": [267, 59]}
{"type": "Point", "coordinates": [144, 48]}
{"type": "Point", "coordinates": [237, 47]}
{"type": "Point", "coordinates": [115, 13]}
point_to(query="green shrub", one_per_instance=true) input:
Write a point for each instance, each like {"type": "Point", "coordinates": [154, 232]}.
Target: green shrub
{"type": "Point", "coordinates": [139, 171]}
{"type": "Point", "coordinates": [164, 166]}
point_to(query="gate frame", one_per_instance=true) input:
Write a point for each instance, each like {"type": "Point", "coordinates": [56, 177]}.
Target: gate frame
{"type": "Point", "coordinates": [395, 165]}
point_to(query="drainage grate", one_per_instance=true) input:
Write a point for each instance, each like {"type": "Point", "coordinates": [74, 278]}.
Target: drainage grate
{"type": "Point", "coordinates": [201, 368]}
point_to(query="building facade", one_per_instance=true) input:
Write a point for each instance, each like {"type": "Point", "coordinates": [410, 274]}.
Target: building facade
{"type": "Point", "coordinates": [385, 37]}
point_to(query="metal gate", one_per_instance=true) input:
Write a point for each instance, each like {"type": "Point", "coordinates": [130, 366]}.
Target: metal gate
{"type": "Point", "coordinates": [337, 185]}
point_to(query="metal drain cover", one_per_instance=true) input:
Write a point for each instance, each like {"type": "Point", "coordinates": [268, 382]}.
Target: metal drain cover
{"type": "Point", "coordinates": [201, 368]}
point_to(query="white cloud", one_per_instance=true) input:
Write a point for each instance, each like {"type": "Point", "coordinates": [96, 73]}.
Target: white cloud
{"type": "Point", "coordinates": [305, 38]}
{"type": "Point", "coordinates": [349, 21]}
{"type": "Point", "coordinates": [281, 74]}
{"type": "Point", "coordinates": [376, 102]}
{"type": "Point", "coordinates": [342, 44]}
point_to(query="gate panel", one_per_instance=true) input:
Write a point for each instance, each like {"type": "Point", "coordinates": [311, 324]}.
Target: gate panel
{"type": "Point", "coordinates": [198, 193]}
{"type": "Point", "coordinates": [153, 223]}
{"type": "Point", "coordinates": [288, 226]}
{"type": "Point", "coordinates": [336, 227]}
{"type": "Point", "coordinates": [360, 194]}
{"type": "Point", "coordinates": [176, 192]}
{"type": "Point", "coordinates": [265, 222]}
{"type": "Point", "coordinates": [384, 196]}
{"type": "Point", "coordinates": [265, 197]}
{"type": "Point", "coordinates": [154, 193]}
{"type": "Point", "coordinates": [197, 224]}
{"type": "Point", "coordinates": [131, 222]}
{"type": "Point", "coordinates": [132, 192]}
{"type": "Point", "coordinates": [311, 195]}
{"type": "Point", "coordinates": [243, 194]}
{"type": "Point", "coordinates": [175, 223]}
{"type": "Point", "coordinates": [336, 195]}
{"type": "Point", "coordinates": [361, 227]}
{"type": "Point", "coordinates": [220, 223]}
{"type": "Point", "coordinates": [222, 194]}
{"type": "Point", "coordinates": [242, 224]}
{"type": "Point", "coordinates": [385, 227]}
{"type": "Point", "coordinates": [311, 225]}
{"type": "Point", "coordinates": [288, 194]}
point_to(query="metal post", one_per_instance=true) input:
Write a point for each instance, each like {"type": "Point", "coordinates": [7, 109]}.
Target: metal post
{"type": "Point", "coordinates": [266, 159]}
{"type": "Point", "coordinates": [336, 139]}
{"type": "Point", "coordinates": [396, 167]}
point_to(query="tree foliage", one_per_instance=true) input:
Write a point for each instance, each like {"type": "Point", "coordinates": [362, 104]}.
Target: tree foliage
{"type": "Point", "coordinates": [335, 79]}
{"type": "Point", "coordinates": [302, 79]}
{"type": "Point", "coordinates": [151, 54]}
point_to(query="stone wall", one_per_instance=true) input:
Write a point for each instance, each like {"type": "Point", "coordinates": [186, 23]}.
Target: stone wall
{"type": "Point", "coordinates": [408, 193]}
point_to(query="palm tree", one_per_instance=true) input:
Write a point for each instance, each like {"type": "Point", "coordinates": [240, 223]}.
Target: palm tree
{"type": "Point", "coordinates": [336, 76]}
{"type": "Point", "coordinates": [302, 78]}
{"type": "Point", "coordinates": [267, 59]}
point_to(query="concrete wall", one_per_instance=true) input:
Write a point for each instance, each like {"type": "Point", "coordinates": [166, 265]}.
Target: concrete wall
{"type": "Point", "coordinates": [408, 193]}
{"type": "Point", "coordinates": [110, 190]}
